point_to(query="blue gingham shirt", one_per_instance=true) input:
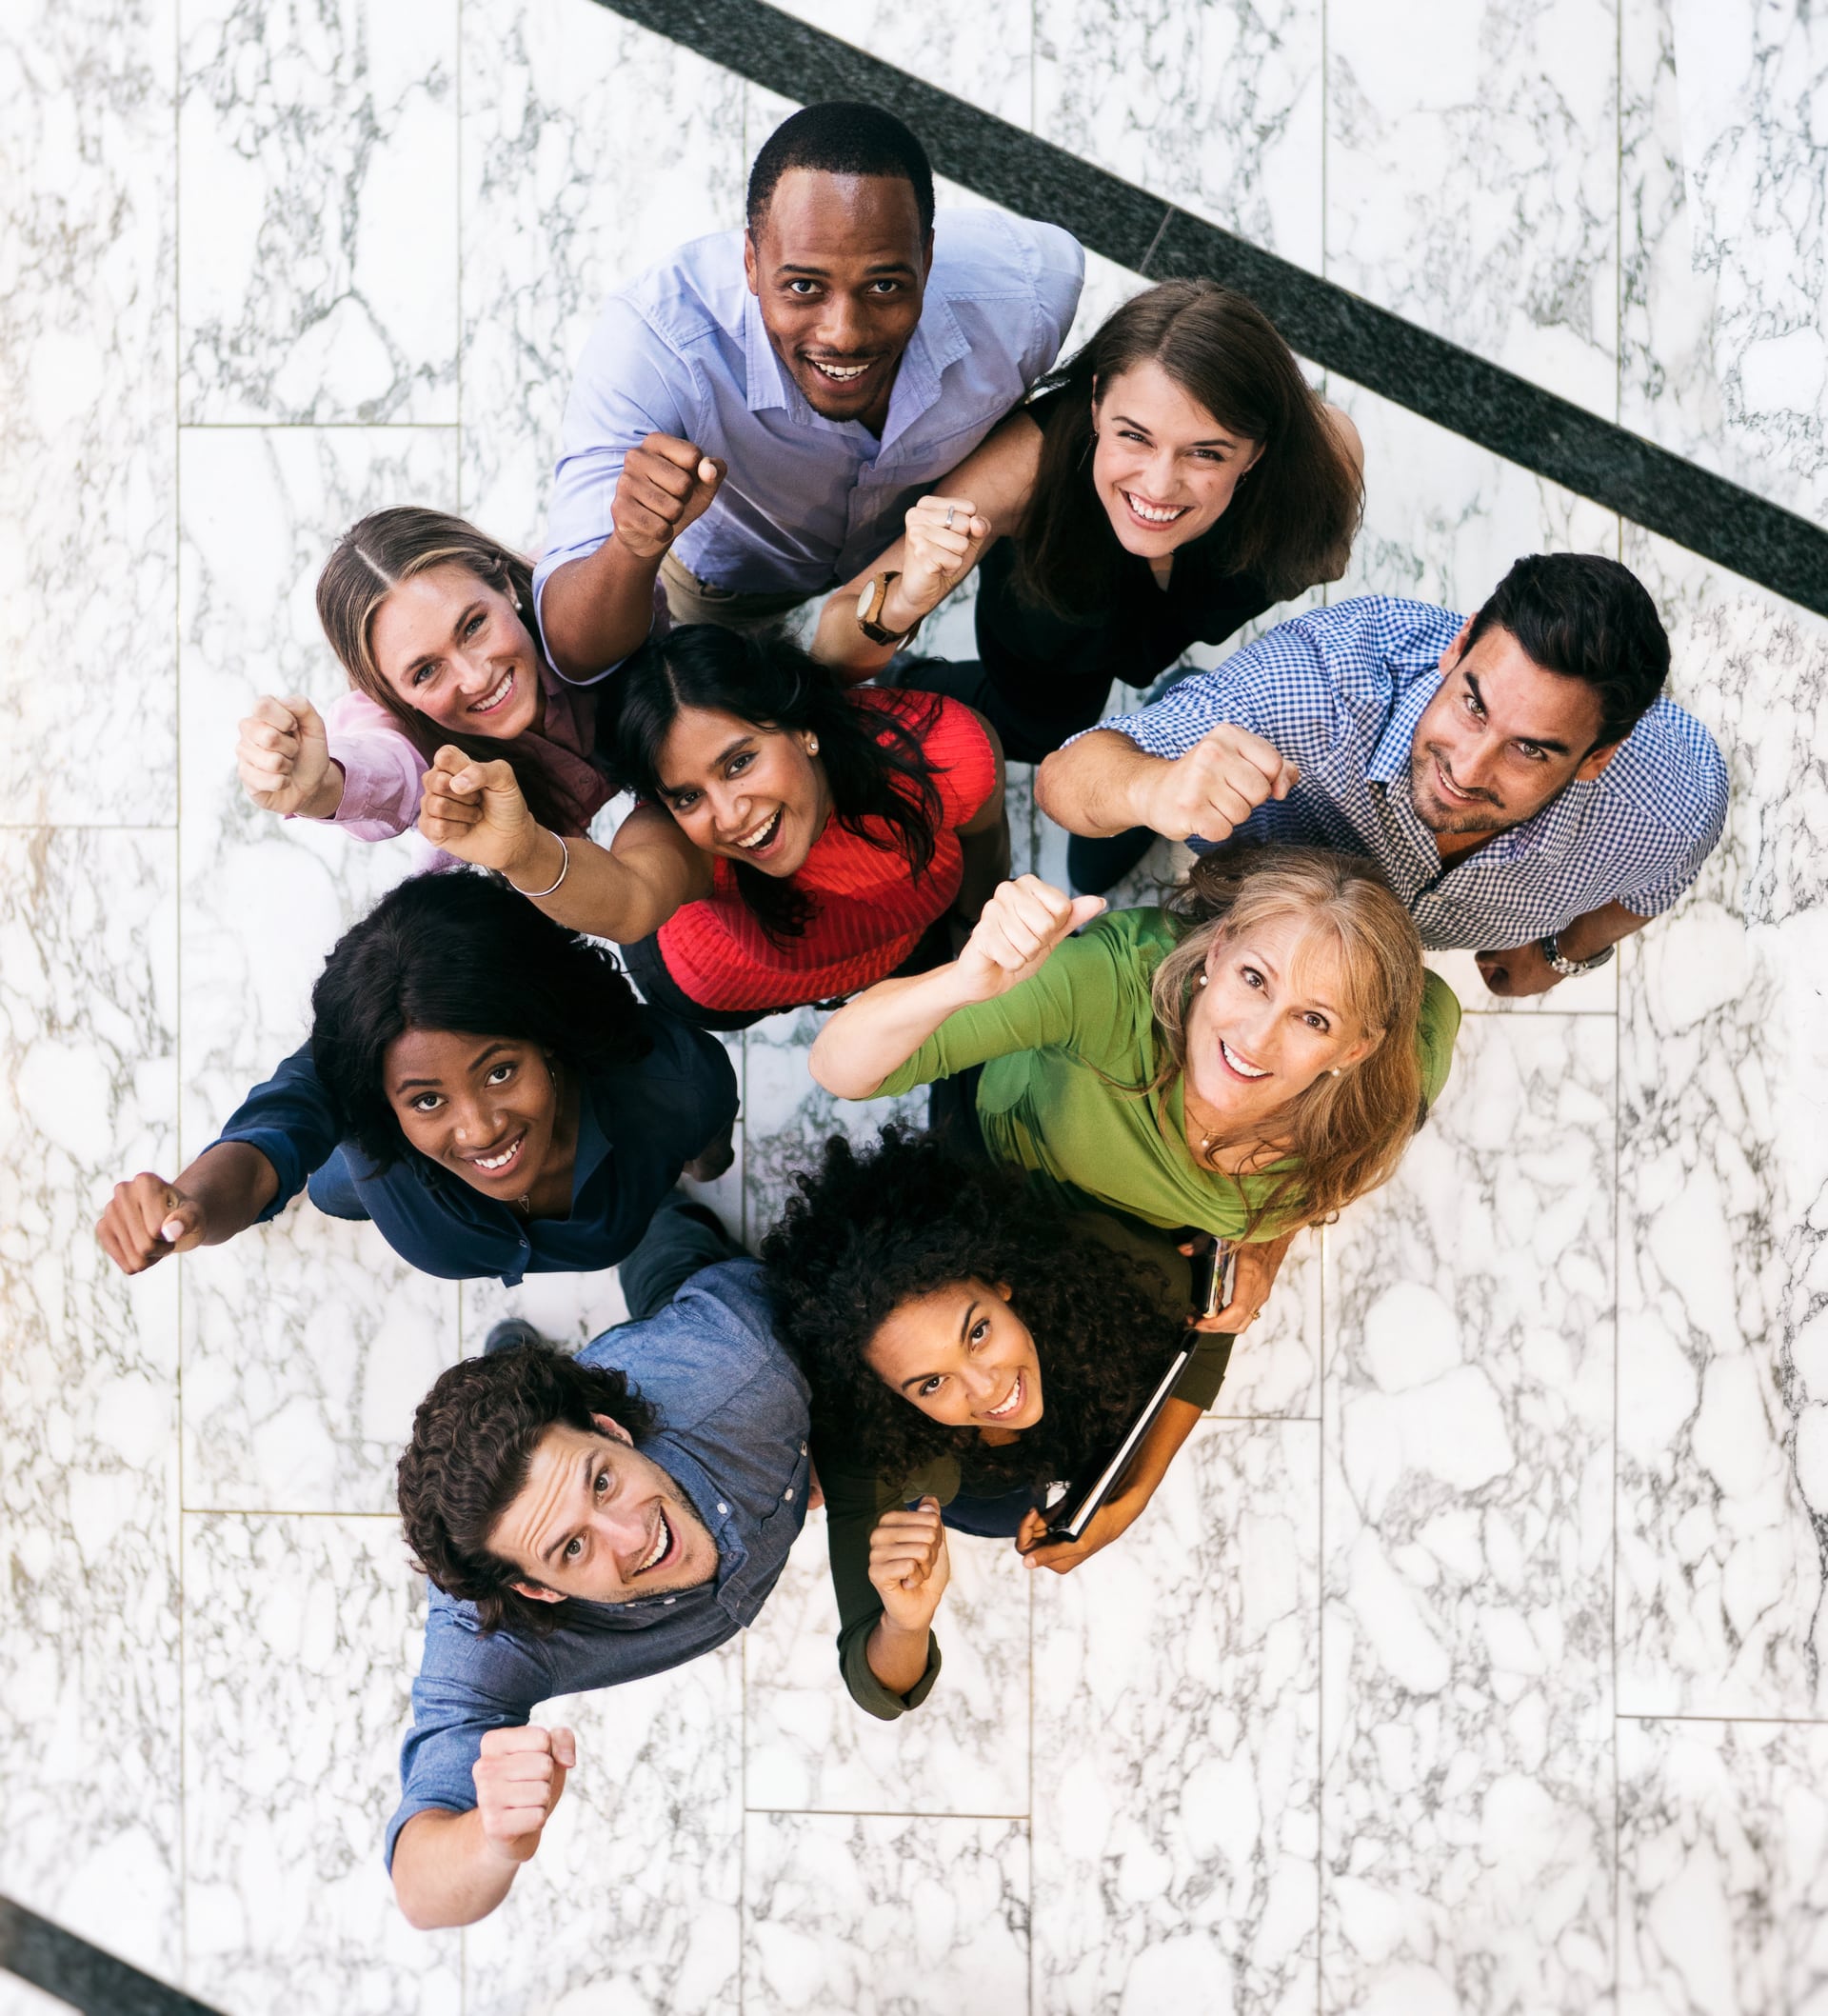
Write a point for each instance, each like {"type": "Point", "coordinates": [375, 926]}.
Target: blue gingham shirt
{"type": "Point", "coordinates": [808, 502]}
{"type": "Point", "coordinates": [732, 1436]}
{"type": "Point", "coordinates": [1339, 691]}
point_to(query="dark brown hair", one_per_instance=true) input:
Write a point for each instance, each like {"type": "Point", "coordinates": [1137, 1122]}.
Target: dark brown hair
{"type": "Point", "coordinates": [370, 560]}
{"type": "Point", "coordinates": [474, 1438]}
{"type": "Point", "coordinates": [1289, 524]}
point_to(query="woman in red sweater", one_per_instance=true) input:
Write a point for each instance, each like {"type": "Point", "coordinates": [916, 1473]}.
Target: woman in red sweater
{"type": "Point", "coordinates": [794, 841]}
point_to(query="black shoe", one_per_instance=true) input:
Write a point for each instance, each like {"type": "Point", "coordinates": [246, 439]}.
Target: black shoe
{"type": "Point", "coordinates": [511, 1335]}
{"type": "Point", "coordinates": [1095, 867]}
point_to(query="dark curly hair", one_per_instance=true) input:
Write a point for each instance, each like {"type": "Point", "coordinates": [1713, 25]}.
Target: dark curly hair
{"type": "Point", "coordinates": [881, 783]}
{"type": "Point", "coordinates": [871, 1230]}
{"type": "Point", "coordinates": [473, 1437]}
{"type": "Point", "coordinates": [459, 950]}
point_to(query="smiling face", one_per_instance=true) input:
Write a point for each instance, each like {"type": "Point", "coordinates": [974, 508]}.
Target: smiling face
{"type": "Point", "coordinates": [483, 1106]}
{"type": "Point", "coordinates": [838, 269]}
{"type": "Point", "coordinates": [599, 1521]}
{"type": "Point", "coordinates": [1498, 740]}
{"type": "Point", "coordinates": [962, 1355]}
{"type": "Point", "coordinates": [1163, 468]}
{"type": "Point", "coordinates": [1270, 1019]}
{"type": "Point", "coordinates": [748, 793]}
{"type": "Point", "coordinates": [456, 649]}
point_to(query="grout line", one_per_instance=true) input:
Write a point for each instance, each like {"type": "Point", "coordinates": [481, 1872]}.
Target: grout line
{"type": "Point", "coordinates": [864, 1813]}
{"type": "Point", "coordinates": [278, 1512]}
{"type": "Point", "coordinates": [176, 830]}
{"type": "Point", "coordinates": [1763, 1722]}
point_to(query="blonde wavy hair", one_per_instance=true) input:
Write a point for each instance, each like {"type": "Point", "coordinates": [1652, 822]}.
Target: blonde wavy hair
{"type": "Point", "coordinates": [1346, 1134]}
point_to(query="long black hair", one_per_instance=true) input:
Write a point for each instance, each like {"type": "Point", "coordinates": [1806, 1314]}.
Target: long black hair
{"type": "Point", "coordinates": [1288, 524]}
{"type": "Point", "coordinates": [460, 951]}
{"type": "Point", "coordinates": [871, 1230]}
{"type": "Point", "coordinates": [874, 764]}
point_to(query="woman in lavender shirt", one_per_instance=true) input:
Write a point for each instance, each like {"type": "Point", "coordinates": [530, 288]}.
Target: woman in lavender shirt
{"type": "Point", "coordinates": [430, 619]}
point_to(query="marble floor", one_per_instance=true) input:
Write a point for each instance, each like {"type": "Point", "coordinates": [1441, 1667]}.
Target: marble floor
{"type": "Point", "coordinates": [1473, 1658]}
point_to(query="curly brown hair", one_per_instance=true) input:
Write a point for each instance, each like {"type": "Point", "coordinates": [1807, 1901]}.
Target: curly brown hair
{"type": "Point", "coordinates": [871, 1230]}
{"type": "Point", "coordinates": [474, 1438]}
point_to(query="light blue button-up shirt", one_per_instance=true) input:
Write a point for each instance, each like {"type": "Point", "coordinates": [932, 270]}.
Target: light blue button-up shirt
{"type": "Point", "coordinates": [1341, 690]}
{"type": "Point", "coordinates": [808, 502]}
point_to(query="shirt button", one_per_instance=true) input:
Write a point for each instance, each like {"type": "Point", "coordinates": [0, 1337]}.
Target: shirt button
{"type": "Point", "coordinates": [666, 1600]}
{"type": "Point", "coordinates": [788, 1492]}
{"type": "Point", "coordinates": [722, 1507]}
{"type": "Point", "coordinates": [802, 1448]}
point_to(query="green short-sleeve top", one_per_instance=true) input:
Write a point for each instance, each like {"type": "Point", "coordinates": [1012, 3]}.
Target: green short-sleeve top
{"type": "Point", "coordinates": [1063, 1056]}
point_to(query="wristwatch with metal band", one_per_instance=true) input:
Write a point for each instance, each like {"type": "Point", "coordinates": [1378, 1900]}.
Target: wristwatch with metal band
{"type": "Point", "coordinates": [1552, 952]}
{"type": "Point", "coordinates": [870, 607]}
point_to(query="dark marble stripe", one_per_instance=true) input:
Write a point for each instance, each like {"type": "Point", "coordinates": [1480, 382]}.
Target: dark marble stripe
{"type": "Point", "coordinates": [81, 1974]}
{"type": "Point", "coordinates": [1338, 330]}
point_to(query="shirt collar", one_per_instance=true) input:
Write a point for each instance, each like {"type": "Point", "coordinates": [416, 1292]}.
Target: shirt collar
{"type": "Point", "coordinates": [768, 383]}
{"type": "Point", "coordinates": [1417, 678]}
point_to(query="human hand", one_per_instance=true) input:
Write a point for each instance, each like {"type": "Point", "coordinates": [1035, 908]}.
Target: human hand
{"type": "Point", "coordinates": [475, 810]}
{"type": "Point", "coordinates": [1253, 1276]}
{"type": "Point", "coordinates": [1017, 932]}
{"type": "Point", "coordinates": [519, 1778]}
{"type": "Point", "coordinates": [665, 485]}
{"type": "Point", "coordinates": [1521, 970]}
{"type": "Point", "coordinates": [283, 759]}
{"type": "Point", "coordinates": [1114, 1517]}
{"type": "Point", "coordinates": [943, 540]}
{"type": "Point", "coordinates": [908, 1566]}
{"type": "Point", "coordinates": [146, 1219]}
{"type": "Point", "coordinates": [1211, 791]}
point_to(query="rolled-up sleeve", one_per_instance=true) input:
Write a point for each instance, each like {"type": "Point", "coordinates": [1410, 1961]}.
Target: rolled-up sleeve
{"type": "Point", "coordinates": [1060, 276]}
{"type": "Point", "coordinates": [854, 1502]}
{"type": "Point", "coordinates": [291, 1120]}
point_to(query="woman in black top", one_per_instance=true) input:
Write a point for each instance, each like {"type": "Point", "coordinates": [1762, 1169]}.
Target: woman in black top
{"type": "Point", "coordinates": [1174, 479]}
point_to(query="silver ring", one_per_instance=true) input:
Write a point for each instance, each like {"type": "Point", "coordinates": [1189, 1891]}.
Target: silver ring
{"type": "Point", "coordinates": [949, 510]}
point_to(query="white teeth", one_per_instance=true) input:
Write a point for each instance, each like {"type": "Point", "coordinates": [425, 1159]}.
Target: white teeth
{"type": "Point", "coordinates": [1238, 1064]}
{"type": "Point", "coordinates": [494, 699]}
{"type": "Point", "coordinates": [663, 1540]}
{"type": "Point", "coordinates": [762, 834]}
{"type": "Point", "coordinates": [1009, 1405]}
{"type": "Point", "coordinates": [841, 371]}
{"type": "Point", "coordinates": [1155, 514]}
{"type": "Point", "coordinates": [501, 1161]}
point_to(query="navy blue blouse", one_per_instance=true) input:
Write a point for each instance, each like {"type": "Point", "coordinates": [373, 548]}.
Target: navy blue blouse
{"type": "Point", "coordinates": [638, 1125]}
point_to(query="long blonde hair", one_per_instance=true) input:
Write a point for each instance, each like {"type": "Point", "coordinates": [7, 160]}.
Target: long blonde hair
{"type": "Point", "coordinates": [370, 560]}
{"type": "Point", "coordinates": [1346, 1134]}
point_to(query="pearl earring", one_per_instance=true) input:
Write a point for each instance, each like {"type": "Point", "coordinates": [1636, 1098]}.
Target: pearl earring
{"type": "Point", "coordinates": [1202, 980]}
{"type": "Point", "coordinates": [1336, 1071]}
{"type": "Point", "coordinates": [812, 745]}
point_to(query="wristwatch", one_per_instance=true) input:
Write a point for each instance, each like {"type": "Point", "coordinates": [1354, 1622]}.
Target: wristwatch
{"type": "Point", "coordinates": [870, 607]}
{"type": "Point", "coordinates": [1552, 952]}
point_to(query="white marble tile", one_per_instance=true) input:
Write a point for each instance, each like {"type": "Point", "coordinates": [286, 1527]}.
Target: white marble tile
{"type": "Point", "coordinates": [1475, 193]}
{"type": "Point", "coordinates": [300, 1639]}
{"type": "Point", "coordinates": [979, 51]}
{"type": "Point", "coordinates": [1177, 1743]}
{"type": "Point", "coordinates": [1594, 993]}
{"type": "Point", "coordinates": [1467, 1801]}
{"type": "Point", "coordinates": [1723, 1868]}
{"type": "Point", "coordinates": [881, 1916]}
{"type": "Point", "coordinates": [1217, 109]}
{"type": "Point", "coordinates": [1723, 333]}
{"type": "Point", "coordinates": [308, 1343]}
{"type": "Point", "coordinates": [317, 264]}
{"type": "Point", "coordinates": [809, 1747]}
{"type": "Point", "coordinates": [88, 1440]}
{"type": "Point", "coordinates": [1723, 1161]}
{"type": "Point", "coordinates": [591, 148]}
{"type": "Point", "coordinates": [88, 278]}
{"type": "Point", "coordinates": [632, 1906]}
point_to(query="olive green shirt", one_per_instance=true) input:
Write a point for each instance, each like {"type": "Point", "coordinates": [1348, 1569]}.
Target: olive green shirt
{"type": "Point", "coordinates": [1064, 1056]}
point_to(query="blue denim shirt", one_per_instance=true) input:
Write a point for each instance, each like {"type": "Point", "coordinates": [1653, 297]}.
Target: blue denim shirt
{"type": "Point", "coordinates": [733, 1436]}
{"type": "Point", "coordinates": [638, 1125]}
{"type": "Point", "coordinates": [808, 502]}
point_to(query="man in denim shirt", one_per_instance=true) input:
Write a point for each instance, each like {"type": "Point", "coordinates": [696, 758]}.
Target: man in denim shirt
{"type": "Point", "coordinates": [584, 1522]}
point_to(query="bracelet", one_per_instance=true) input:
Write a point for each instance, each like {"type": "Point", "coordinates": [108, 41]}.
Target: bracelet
{"type": "Point", "coordinates": [564, 869]}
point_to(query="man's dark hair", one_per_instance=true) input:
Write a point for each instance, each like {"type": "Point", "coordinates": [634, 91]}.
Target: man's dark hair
{"type": "Point", "coordinates": [473, 1439]}
{"type": "Point", "coordinates": [1588, 618]}
{"type": "Point", "coordinates": [841, 137]}
{"type": "Point", "coordinates": [460, 951]}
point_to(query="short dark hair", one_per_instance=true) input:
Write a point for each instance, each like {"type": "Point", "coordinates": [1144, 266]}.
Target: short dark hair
{"type": "Point", "coordinates": [1588, 618]}
{"type": "Point", "coordinates": [460, 951]}
{"type": "Point", "coordinates": [841, 137]}
{"type": "Point", "coordinates": [474, 1438]}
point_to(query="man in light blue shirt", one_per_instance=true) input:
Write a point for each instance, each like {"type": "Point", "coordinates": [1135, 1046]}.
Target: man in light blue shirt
{"type": "Point", "coordinates": [752, 417]}
{"type": "Point", "coordinates": [1517, 775]}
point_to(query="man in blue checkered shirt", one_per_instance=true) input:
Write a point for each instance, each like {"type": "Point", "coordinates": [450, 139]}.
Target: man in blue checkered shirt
{"type": "Point", "coordinates": [1517, 775]}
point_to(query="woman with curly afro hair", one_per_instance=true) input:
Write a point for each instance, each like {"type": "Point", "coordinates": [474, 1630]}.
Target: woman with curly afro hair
{"type": "Point", "coordinates": [968, 1343]}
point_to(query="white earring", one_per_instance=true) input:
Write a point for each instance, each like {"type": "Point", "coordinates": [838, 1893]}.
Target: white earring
{"type": "Point", "coordinates": [1202, 980]}
{"type": "Point", "coordinates": [1336, 1071]}
{"type": "Point", "coordinates": [812, 745]}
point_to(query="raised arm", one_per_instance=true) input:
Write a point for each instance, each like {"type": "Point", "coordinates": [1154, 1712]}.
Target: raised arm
{"type": "Point", "coordinates": [219, 1194]}
{"type": "Point", "coordinates": [883, 1028]}
{"type": "Point", "coordinates": [946, 533]}
{"type": "Point", "coordinates": [624, 892]}
{"type": "Point", "coordinates": [1102, 784]}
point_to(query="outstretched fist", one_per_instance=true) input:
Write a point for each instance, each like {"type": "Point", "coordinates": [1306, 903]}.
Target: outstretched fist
{"type": "Point", "coordinates": [146, 1219]}
{"type": "Point", "coordinates": [475, 810]}
{"type": "Point", "coordinates": [1017, 932]}
{"type": "Point", "coordinates": [665, 485]}
{"type": "Point", "coordinates": [1208, 793]}
{"type": "Point", "coordinates": [945, 539]}
{"type": "Point", "coordinates": [283, 759]}
{"type": "Point", "coordinates": [519, 1779]}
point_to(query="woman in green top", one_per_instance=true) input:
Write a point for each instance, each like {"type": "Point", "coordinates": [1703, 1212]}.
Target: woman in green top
{"type": "Point", "coordinates": [1244, 1062]}
{"type": "Point", "coordinates": [967, 1343]}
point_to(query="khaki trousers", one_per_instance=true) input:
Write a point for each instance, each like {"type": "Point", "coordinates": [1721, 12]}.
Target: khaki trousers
{"type": "Point", "coordinates": [691, 600]}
